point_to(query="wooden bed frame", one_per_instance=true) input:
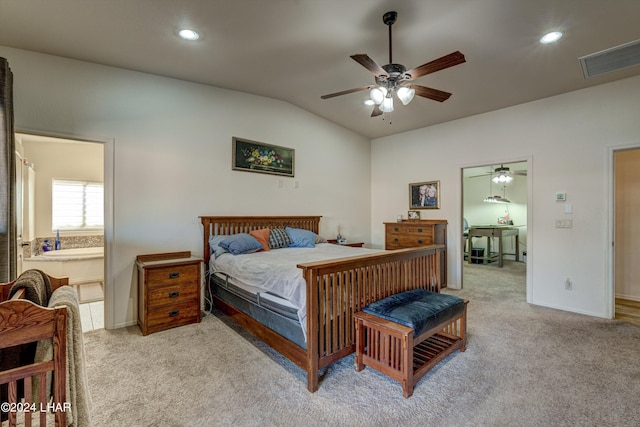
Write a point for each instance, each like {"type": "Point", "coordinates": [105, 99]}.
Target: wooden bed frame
{"type": "Point", "coordinates": [336, 289]}
{"type": "Point", "coordinates": [23, 322]}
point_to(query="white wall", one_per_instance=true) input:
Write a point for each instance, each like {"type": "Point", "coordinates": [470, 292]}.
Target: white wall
{"type": "Point", "coordinates": [567, 138]}
{"type": "Point", "coordinates": [60, 160]}
{"type": "Point", "coordinates": [172, 157]}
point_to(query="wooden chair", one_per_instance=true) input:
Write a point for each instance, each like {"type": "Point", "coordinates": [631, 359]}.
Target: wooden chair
{"type": "Point", "coordinates": [23, 322]}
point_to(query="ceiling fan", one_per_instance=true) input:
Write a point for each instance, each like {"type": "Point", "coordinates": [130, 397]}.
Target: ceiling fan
{"type": "Point", "coordinates": [395, 78]}
{"type": "Point", "coordinates": [502, 175]}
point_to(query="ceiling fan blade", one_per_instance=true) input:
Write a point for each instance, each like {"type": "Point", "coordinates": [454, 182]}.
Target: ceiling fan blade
{"type": "Point", "coordinates": [446, 61]}
{"type": "Point", "coordinates": [368, 63]}
{"type": "Point", "coordinates": [427, 92]}
{"type": "Point", "coordinates": [345, 92]}
{"type": "Point", "coordinates": [376, 111]}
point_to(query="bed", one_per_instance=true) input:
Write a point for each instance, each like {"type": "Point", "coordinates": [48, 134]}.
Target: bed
{"type": "Point", "coordinates": [333, 290]}
{"type": "Point", "coordinates": [23, 323]}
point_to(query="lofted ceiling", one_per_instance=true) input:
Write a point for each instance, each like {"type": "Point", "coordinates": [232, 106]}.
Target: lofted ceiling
{"type": "Point", "coordinates": [298, 50]}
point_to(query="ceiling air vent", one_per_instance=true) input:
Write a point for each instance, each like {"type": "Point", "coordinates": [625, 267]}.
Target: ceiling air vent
{"type": "Point", "coordinates": [612, 59]}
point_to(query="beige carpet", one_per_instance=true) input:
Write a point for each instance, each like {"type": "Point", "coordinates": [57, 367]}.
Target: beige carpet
{"type": "Point", "coordinates": [524, 366]}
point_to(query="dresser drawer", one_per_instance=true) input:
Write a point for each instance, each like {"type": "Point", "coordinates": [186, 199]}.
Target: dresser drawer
{"type": "Point", "coordinates": [170, 316]}
{"type": "Point", "coordinates": [420, 231]}
{"type": "Point", "coordinates": [177, 294]}
{"type": "Point", "coordinates": [169, 275]}
{"type": "Point", "coordinates": [395, 229]}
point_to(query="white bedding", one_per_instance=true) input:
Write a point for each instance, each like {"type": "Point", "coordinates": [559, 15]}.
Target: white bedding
{"type": "Point", "coordinates": [275, 271]}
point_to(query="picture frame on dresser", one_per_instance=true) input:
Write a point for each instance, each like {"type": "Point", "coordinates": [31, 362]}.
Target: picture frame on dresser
{"type": "Point", "coordinates": [413, 215]}
{"type": "Point", "coordinates": [424, 195]}
{"type": "Point", "coordinates": [253, 156]}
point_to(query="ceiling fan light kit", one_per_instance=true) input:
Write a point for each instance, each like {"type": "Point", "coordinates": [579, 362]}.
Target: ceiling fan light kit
{"type": "Point", "coordinates": [502, 175]}
{"type": "Point", "coordinates": [393, 78]}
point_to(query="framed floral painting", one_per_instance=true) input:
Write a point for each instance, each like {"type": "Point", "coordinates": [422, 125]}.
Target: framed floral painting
{"type": "Point", "coordinates": [252, 156]}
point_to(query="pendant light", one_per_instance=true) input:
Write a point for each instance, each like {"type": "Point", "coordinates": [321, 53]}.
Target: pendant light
{"type": "Point", "coordinates": [496, 199]}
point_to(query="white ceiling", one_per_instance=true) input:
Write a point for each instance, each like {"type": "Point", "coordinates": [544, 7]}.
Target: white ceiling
{"type": "Point", "coordinates": [298, 50]}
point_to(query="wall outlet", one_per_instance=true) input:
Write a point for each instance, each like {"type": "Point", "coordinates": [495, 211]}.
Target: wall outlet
{"type": "Point", "coordinates": [568, 284]}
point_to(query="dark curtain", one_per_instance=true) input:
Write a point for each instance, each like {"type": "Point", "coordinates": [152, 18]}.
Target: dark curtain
{"type": "Point", "coordinates": [8, 231]}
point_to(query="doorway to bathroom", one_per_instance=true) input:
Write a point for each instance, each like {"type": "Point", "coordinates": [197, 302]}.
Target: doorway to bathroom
{"type": "Point", "coordinates": [60, 215]}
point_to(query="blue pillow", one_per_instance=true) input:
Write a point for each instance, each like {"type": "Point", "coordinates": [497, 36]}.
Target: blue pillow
{"type": "Point", "coordinates": [241, 243]}
{"type": "Point", "coordinates": [301, 238]}
{"type": "Point", "coordinates": [214, 246]}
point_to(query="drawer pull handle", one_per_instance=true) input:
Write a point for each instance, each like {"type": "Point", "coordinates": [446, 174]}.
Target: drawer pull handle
{"type": "Point", "coordinates": [174, 275]}
{"type": "Point", "coordinates": [420, 241]}
{"type": "Point", "coordinates": [174, 294]}
{"type": "Point", "coordinates": [419, 230]}
{"type": "Point", "coordinates": [395, 240]}
{"type": "Point", "coordinates": [174, 313]}
{"type": "Point", "coordinates": [396, 229]}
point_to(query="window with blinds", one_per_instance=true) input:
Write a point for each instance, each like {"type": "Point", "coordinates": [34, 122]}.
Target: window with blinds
{"type": "Point", "coordinates": [77, 205]}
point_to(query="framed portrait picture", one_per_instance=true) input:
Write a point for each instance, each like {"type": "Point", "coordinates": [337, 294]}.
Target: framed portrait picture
{"type": "Point", "coordinates": [424, 195]}
{"type": "Point", "coordinates": [413, 215]}
{"type": "Point", "coordinates": [253, 156]}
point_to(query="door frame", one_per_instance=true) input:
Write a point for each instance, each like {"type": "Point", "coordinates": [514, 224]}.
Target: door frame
{"type": "Point", "coordinates": [530, 237]}
{"type": "Point", "coordinates": [610, 287]}
{"type": "Point", "coordinates": [108, 171]}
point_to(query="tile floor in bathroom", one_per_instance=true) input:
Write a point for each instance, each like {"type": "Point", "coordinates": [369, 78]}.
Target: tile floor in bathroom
{"type": "Point", "coordinates": [92, 315]}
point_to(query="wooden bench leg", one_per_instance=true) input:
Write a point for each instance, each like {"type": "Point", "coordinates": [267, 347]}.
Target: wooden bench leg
{"type": "Point", "coordinates": [407, 365]}
{"type": "Point", "coordinates": [463, 327]}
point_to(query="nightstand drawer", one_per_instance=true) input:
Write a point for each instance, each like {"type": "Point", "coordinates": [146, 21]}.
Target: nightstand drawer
{"type": "Point", "coordinates": [177, 294]}
{"type": "Point", "coordinates": [170, 316]}
{"type": "Point", "coordinates": [162, 276]}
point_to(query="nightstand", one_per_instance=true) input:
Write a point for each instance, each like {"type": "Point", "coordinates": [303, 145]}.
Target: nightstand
{"type": "Point", "coordinates": [353, 245]}
{"type": "Point", "coordinates": [168, 291]}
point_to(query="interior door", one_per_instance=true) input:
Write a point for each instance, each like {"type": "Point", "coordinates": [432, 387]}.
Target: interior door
{"type": "Point", "coordinates": [19, 212]}
{"type": "Point", "coordinates": [627, 226]}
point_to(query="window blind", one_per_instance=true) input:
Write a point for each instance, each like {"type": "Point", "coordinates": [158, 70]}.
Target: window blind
{"type": "Point", "coordinates": [77, 205]}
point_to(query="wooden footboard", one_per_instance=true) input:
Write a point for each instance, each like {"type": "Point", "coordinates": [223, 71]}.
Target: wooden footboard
{"type": "Point", "coordinates": [339, 288]}
{"type": "Point", "coordinates": [336, 289]}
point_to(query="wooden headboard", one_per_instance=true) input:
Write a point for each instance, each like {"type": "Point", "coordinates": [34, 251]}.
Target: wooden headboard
{"type": "Point", "coordinates": [227, 225]}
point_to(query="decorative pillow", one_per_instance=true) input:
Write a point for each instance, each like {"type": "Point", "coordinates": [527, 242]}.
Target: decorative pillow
{"type": "Point", "coordinates": [301, 238]}
{"type": "Point", "coordinates": [241, 244]}
{"type": "Point", "coordinates": [278, 238]}
{"type": "Point", "coordinates": [320, 239]}
{"type": "Point", "coordinates": [214, 246]}
{"type": "Point", "coordinates": [262, 236]}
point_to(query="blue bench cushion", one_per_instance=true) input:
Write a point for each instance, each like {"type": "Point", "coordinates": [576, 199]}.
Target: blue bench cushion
{"type": "Point", "coordinates": [417, 309]}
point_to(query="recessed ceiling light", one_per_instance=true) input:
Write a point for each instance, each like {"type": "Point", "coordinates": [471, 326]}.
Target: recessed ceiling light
{"type": "Point", "coordinates": [189, 34]}
{"type": "Point", "coordinates": [551, 37]}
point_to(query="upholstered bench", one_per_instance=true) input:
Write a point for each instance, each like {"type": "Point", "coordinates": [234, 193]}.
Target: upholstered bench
{"type": "Point", "coordinates": [406, 334]}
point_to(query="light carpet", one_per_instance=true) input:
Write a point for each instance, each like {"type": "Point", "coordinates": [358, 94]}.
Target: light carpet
{"type": "Point", "coordinates": [524, 366]}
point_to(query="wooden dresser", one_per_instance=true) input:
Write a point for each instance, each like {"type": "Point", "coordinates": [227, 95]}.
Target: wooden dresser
{"type": "Point", "coordinates": [168, 291]}
{"type": "Point", "coordinates": [412, 233]}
